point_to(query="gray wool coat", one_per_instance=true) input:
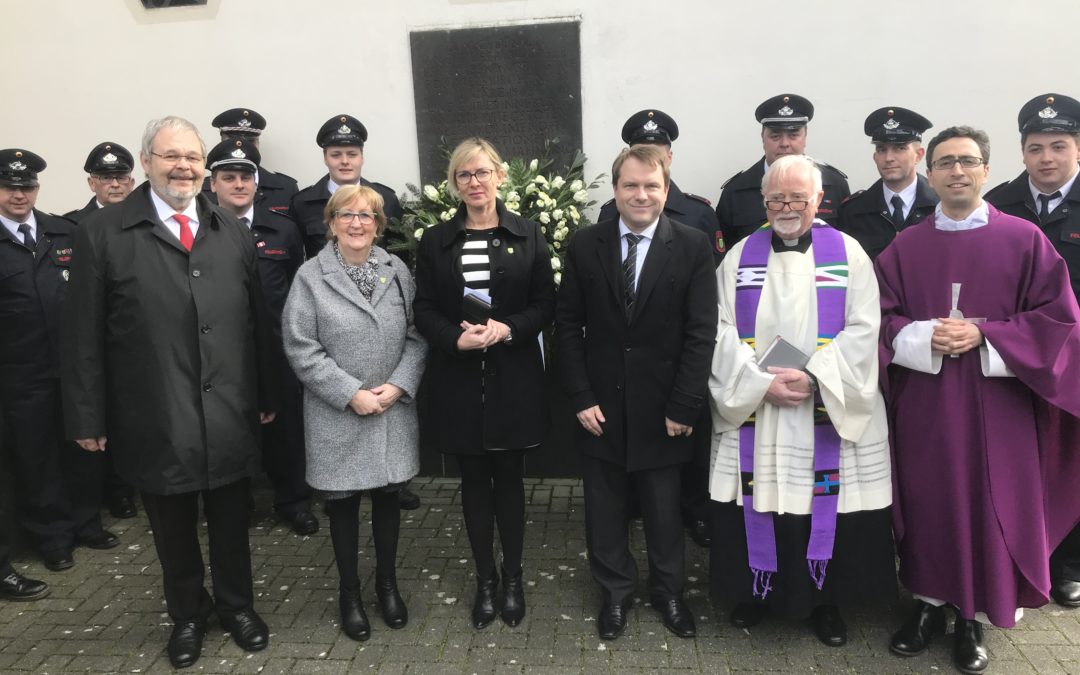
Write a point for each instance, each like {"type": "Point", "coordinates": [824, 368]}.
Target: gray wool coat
{"type": "Point", "coordinates": [338, 343]}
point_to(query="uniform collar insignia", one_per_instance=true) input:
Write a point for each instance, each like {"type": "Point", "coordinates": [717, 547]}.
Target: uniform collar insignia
{"type": "Point", "coordinates": [17, 166]}
{"type": "Point", "coordinates": [891, 124]}
{"type": "Point", "coordinates": [1048, 113]}
{"type": "Point", "coordinates": [239, 154]}
{"type": "Point", "coordinates": [344, 130]}
{"type": "Point", "coordinates": [109, 158]}
{"type": "Point", "coordinates": [786, 111]}
{"type": "Point", "coordinates": [650, 126]}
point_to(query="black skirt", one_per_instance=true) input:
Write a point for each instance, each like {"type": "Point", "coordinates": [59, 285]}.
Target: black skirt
{"type": "Point", "coordinates": [862, 570]}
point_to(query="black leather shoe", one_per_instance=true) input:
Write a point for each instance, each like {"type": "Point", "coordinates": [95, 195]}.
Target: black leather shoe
{"type": "Point", "coordinates": [101, 541]}
{"type": "Point", "coordinates": [612, 620]}
{"type": "Point", "coordinates": [185, 642]}
{"type": "Point", "coordinates": [969, 653]}
{"type": "Point", "coordinates": [58, 559]}
{"type": "Point", "coordinates": [483, 609]}
{"type": "Point", "coordinates": [513, 605]}
{"type": "Point", "coordinates": [914, 636]}
{"type": "Point", "coordinates": [354, 621]}
{"type": "Point", "coordinates": [677, 617]}
{"type": "Point", "coordinates": [122, 506]}
{"type": "Point", "coordinates": [700, 533]}
{"type": "Point", "coordinates": [303, 522]}
{"type": "Point", "coordinates": [15, 586]}
{"type": "Point", "coordinates": [747, 614]}
{"type": "Point", "coordinates": [394, 612]}
{"type": "Point", "coordinates": [248, 630]}
{"type": "Point", "coordinates": [1066, 592]}
{"type": "Point", "coordinates": [407, 499]}
{"type": "Point", "coordinates": [829, 626]}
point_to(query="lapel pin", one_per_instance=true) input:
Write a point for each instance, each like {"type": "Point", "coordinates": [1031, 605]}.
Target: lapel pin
{"type": "Point", "coordinates": [510, 250]}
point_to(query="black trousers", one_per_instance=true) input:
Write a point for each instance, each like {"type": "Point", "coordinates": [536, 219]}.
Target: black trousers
{"type": "Point", "coordinates": [1065, 560]}
{"type": "Point", "coordinates": [607, 489]}
{"type": "Point", "coordinates": [5, 557]}
{"type": "Point", "coordinates": [115, 487]}
{"type": "Point", "coordinates": [283, 449]}
{"type": "Point", "coordinates": [175, 521]}
{"type": "Point", "coordinates": [694, 497]}
{"type": "Point", "coordinates": [58, 484]}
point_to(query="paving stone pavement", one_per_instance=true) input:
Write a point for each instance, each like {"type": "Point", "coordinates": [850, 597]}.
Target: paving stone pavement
{"type": "Point", "coordinates": [107, 614]}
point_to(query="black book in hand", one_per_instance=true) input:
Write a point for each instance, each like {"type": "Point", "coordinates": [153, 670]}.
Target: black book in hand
{"type": "Point", "coordinates": [475, 309]}
{"type": "Point", "coordinates": [783, 354]}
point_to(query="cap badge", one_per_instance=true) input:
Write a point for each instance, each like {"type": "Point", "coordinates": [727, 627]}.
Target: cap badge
{"type": "Point", "coordinates": [244, 122]}
{"type": "Point", "coordinates": [17, 166]}
{"type": "Point", "coordinates": [891, 124]}
{"type": "Point", "coordinates": [786, 111]}
{"type": "Point", "coordinates": [1048, 113]}
{"type": "Point", "coordinates": [343, 129]}
{"type": "Point", "coordinates": [238, 154]}
{"type": "Point", "coordinates": [650, 126]}
{"type": "Point", "coordinates": [109, 158]}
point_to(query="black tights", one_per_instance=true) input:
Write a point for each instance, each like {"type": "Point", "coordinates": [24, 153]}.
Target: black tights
{"type": "Point", "coordinates": [492, 490]}
{"type": "Point", "coordinates": [345, 534]}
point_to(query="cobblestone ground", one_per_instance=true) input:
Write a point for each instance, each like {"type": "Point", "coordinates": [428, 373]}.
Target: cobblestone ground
{"type": "Point", "coordinates": [107, 614]}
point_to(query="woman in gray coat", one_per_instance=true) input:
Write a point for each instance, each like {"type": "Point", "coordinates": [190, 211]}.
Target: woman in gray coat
{"type": "Point", "coordinates": [349, 335]}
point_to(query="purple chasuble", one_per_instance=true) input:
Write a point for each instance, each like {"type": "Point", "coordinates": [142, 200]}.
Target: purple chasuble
{"type": "Point", "coordinates": [977, 461]}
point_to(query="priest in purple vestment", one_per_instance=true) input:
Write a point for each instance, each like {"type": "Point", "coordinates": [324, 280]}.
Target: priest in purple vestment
{"type": "Point", "coordinates": [980, 344]}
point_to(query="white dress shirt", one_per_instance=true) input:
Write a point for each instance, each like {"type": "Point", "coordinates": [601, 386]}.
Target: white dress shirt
{"type": "Point", "coordinates": [13, 226]}
{"type": "Point", "coordinates": [907, 194]}
{"type": "Point", "coordinates": [165, 214]}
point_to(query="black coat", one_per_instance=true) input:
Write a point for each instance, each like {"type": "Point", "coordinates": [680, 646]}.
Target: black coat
{"type": "Point", "coordinates": [167, 353]}
{"type": "Point", "coordinates": [1062, 227]}
{"type": "Point", "coordinates": [741, 210]}
{"type": "Point", "coordinates": [280, 251]}
{"type": "Point", "coordinates": [513, 411]}
{"type": "Point", "coordinates": [652, 366]}
{"type": "Point", "coordinates": [307, 210]}
{"type": "Point", "coordinates": [33, 285]}
{"type": "Point", "coordinates": [868, 219]}
{"type": "Point", "coordinates": [683, 207]}
{"type": "Point", "coordinates": [275, 192]}
{"type": "Point", "coordinates": [79, 215]}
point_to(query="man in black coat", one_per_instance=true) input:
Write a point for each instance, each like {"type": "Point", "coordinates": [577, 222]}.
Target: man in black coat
{"type": "Point", "coordinates": [784, 119]}
{"type": "Point", "coordinates": [168, 361]}
{"type": "Point", "coordinates": [109, 167]}
{"type": "Point", "coordinates": [280, 251]}
{"type": "Point", "coordinates": [1048, 194]}
{"type": "Point", "coordinates": [901, 197]}
{"type": "Point", "coordinates": [58, 487]}
{"type": "Point", "coordinates": [273, 190]}
{"type": "Point", "coordinates": [636, 324]}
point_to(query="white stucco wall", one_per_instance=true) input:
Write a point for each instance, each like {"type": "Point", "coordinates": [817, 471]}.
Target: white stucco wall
{"type": "Point", "coordinates": [76, 72]}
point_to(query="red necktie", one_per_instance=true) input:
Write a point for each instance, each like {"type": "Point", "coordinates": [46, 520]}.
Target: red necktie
{"type": "Point", "coordinates": [187, 239]}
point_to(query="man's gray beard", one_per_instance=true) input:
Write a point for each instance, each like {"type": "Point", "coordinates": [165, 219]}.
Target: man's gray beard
{"type": "Point", "coordinates": [174, 197]}
{"type": "Point", "coordinates": [785, 230]}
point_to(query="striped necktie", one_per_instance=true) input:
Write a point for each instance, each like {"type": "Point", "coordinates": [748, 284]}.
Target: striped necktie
{"type": "Point", "coordinates": [629, 270]}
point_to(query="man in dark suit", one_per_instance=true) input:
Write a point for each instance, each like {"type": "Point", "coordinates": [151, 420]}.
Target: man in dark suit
{"type": "Point", "coordinates": [273, 189]}
{"type": "Point", "coordinates": [233, 165]}
{"type": "Point", "coordinates": [109, 167]}
{"type": "Point", "coordinates": [58, 488]}
{"type": "Point", "coordinates": [636, 324]}
{"type": "Point", "coordinates": [901, 197]}
{"type": "Point", "coordinates": [168, 360]}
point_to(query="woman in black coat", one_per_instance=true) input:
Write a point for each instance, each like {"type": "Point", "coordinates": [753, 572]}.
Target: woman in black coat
{"type": "Point", "coordinates": [485, 379]}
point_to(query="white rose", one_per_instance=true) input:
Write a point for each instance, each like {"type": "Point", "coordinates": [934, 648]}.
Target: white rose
{"type": "Point", "coordinates": [530, 188]}
{"type": "Point", "coordinates": [559, 235]}
{"type": "Point", "coordinates": [513, 196]}
{"type": "Point", "coordinates": [576, 185]}
{"type": "Point", "coordinates": [545, 217]}
{"type": "Point", "coordinates": [534, 164]}
{"type": "Point", "coordinates": [540, 180]}
{"type": "Point", "coordinates": [419, 233]}
{"type": "Point", "coordinates": [445, 216]}
{"type": "Point", "coordinates": [558, 278]}
{"type": "Point", "coordinates": [557, 182]}
{"type": "Point", "coordinates": [431, 193]}
{"type": "Point", "coordinates": [557, 243]}
{"type": "Point", "coordinates": [556, 264]}
{"type": "Point", "coordinates": [581, 196]}
{"type": "Point", "coordinates": [505, 166]}
{"type": "Point", "coordinates": [574, 215]}
{"type": "Point", "coordinates": [557, 214]}
{"type": "Point", "coordinates": [452, 212]}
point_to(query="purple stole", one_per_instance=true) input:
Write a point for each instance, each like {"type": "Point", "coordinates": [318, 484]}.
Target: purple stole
{"type": "Point", "coordinates": [831, 272]}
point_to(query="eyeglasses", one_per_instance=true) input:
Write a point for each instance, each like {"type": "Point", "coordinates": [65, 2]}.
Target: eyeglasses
{"type": "Point", "coordinates": [173, 158]}
{"type": "Point", "coordinates": [481, 175]}
{"type": "Point", "coordinates": [123, 179]}
{"type": "Point", "coordinates": [365, 217]}
{"type": "Point", "coordinates": [779, 204]}
{"type": "Point", "coordinates": [966, 161]}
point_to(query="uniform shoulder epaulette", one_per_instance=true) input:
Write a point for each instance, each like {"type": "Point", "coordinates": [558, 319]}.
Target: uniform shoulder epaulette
{"type": "Point", "coordinates": [824, 165]}
{"type": "Point", "coordinates": [851, 196]}
{"type": "Point", "coordinates": [285, 176]}
{"type": "Point", "coordinates": [730, 179]}
{"type": "Point", "coordinates": [699, 198]}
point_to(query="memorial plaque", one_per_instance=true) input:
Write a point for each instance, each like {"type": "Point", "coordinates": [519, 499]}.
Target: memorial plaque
{"type": "Point", "coordinates": [516, 86]}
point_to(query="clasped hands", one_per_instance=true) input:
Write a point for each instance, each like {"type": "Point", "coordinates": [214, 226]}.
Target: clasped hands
{"type": "Point", "coordinates": [375, 401]}
{"type": "Point", "coordinates": [592, 419]}
{"type": "Point", "coordinates": [955, 337]}
{"type": "Point", "coordinates": [482, 335]}
{"type": "Point", "coordinates": [789, 388]}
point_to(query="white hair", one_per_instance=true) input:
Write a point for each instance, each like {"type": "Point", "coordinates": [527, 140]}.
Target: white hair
{"type": "Point", "coordinates": [154, 127]}
{"type": "Point", "coordinates": [788, 163]}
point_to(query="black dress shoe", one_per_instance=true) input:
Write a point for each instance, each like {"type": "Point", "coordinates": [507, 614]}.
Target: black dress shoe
{"type": "Point", "coordinates": [354, 621]}
{"type": "Point", "coordinates": [248, 630]}
{"type": "Point", "coordinates": [612, 620]}
{"type": "Point", "coordinates": [483, 609]}
{"type": "Point", "coordinates": [1066, 592]}
{"type": "Point", "coordinates": [747, 614]}
{"type": "Point", "coordinates": [15, 586]}
{"type": "Point", "coordinates": [677, 617]}
{"type": "Point", "coordinates": [302, 522]}
{"type": "Point", "coordinates": [58, 559]}
{"type": "Point", "coordinates": [700, 533]}
{"type": "Point", "coordinates": [407, 499]}
{"type": "Point", "coordinates": [394, 612]}
{"type": "Point", "coordinates": [122, 506]}
{"type": "Point", "coordinates": [829, 626]}
{"type": "Point", "coordinates": [101, 540]}
{"type": "Point", "coordinates": [914, 636]}
{"type": "Point", "coordinates": [969, 652]}
{"type": "Point", "coordinates": [513, 605]}
{"type": "Point", "coordinates": [185, 642]}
